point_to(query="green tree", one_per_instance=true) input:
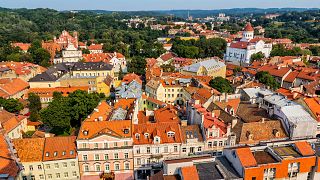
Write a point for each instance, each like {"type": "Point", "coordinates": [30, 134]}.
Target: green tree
{"type": "Point", "coordinates": [257, 56]}
{"type": "Point", "coordinates": [34, 107]}
{"type": "Point", "coordinates": [137, 65]}
{"type": "Point", "coordinates": [85, 51]}
{"type": "Point", "coordinates": [120, 75]}
{"type": "Point", "coordinates": [220, 84]}
{"type": "Point", "coordinates": [315, 50]}
{"type": "Point", "coordinates": [265, 78]}
{"type": "Point", "coordinates": [11, 105]}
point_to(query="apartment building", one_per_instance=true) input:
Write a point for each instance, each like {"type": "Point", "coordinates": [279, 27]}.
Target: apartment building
{"type": "Point", "coordinates": [12, 125]}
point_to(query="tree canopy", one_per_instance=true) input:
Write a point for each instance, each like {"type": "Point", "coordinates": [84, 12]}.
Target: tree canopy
{"type": "Point", "coordinates": [11, 105]}
{"type": "Point", "coordinates": [220, 84]}
{"type": "Point", "coordinates": [265, 78]}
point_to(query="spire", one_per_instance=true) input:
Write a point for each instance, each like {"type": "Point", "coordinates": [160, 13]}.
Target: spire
{"type": "Point", "coordinates": [248, 27]}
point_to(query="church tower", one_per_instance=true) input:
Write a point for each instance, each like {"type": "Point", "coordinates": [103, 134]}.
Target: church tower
{"type": "Point", "coordinates": [248, 32]}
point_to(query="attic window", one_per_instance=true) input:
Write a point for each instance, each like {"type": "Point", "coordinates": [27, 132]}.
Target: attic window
{"type": "Point", "coordinates": [146, 135]}
{"type": "Point", "coordinates": [47, 154]}
{"type": "Point", "coordinates": [126, 131]}
{"type": "Point", "coordinates": [55, 153]}
{"type": "Point", "coordinates": [137, 136]}
{"type": "Point", "coordinates": [71, 152]}
{"type": "Point", "coordinates": [63, 153]}
{"type": "Point", "coordinates": [157, 139]}
{"type": "Point", "coordinates": [85, 132]}
{"type": "Point", "coordinates": [170, 134]}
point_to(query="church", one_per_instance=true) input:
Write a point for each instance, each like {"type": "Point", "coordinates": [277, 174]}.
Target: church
{"type": "Point", "coordinates": [240, 51]}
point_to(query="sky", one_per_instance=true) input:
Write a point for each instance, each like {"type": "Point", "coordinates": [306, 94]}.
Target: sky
{"type": "Point", "coordinates": [135, 5]}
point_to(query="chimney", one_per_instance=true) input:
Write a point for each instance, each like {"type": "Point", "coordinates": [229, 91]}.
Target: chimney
{"type": "Point", "coordinates": [197, 102]}
{"type": "Point", "coordinates": [226, 97]}
{"type": "Point", "coordinates": [234, 122]}
{"type": "Point", "coordinates": [262, 120]}
{"type": "Point", "coordinates": [184, 123]}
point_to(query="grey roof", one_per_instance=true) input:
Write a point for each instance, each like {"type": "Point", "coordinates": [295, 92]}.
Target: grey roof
{"type": "Point", "coordinates": [83, 66]}
{"type": "Point", "coordinates": [219, 169]}
{"type": "Point", "coordinates": [296, 114]}
{"type": "Point", "coordinates": [208, 64]}
{"type": "Point", "coordinates": [131, 90]}
{"type": "Point", "coordinates": [53, 73]}
{"type": "Point", "coordinates": [254, 92]}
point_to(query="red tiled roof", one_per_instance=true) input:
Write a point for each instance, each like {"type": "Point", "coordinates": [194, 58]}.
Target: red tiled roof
{"type": "Point", "coordinates": [57, 148]}
{"type": "Point", "coordinates": [304, 148]}
{"type": "Point", "coordinates": [307, 76]}
{"type": "Point", "coordinates": [22, 46]}
{"type": "Point", "coordinates": [130, 77]}
{"type": "Point", "coordinates": [167, 56]}
{"type": "Point", "coordinates": [248, 27]}
{"type": "Point", "coordinates": [12, 86]}
{"type": "Point", "coordinates": [239, 45]}
{"type": "Point", "coordinates": [95, 47]}
{"type": "Point", "coordinates": [246, 157]}
{"type": "Point", "coordinates": [7, 164]}
{"type": "Point", "coordinates": [190, 173]}
{"type": "Point", "coordinates": [29, 150]}
{"type": "Point", "coordinates": [314, 106]}
{"type": "Point", "coordinates": [274, 70]}
{"type": "Point", "coordinates": [291, 77]}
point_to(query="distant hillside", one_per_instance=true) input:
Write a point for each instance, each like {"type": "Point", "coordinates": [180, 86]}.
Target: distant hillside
{"type": "Point", "coordinates": [205, 13]}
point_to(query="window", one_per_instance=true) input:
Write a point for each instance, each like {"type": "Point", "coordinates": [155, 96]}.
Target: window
{"type": "Point", "coordinates": [47, 154]}
{"type": "Point", "coordinates": [165, 149]}
{"type": "Point", "coordinates": [96, 157]}
{"type": "Point", "coordinates": [148, 150]}
{"type": "Point", "coordinates": [157, 139]}
{"type": "Point", "coordinates": [116, 156]}
{"type": "Point", "coordinates": [47, 166]}
{"type": "Point", "coordinates": [56, 165]}
{"type": "Point", "coordinates": [84, 145]}
{"type": "Point", "coordinates": [293, 169]}
{"type": "Point", "coordinates": [73, 163]}
{"type": "Point", "coordinates": [170, 134]}
{"type": "Point", "coordinates": [63, 153]}
{"type": "Point", "coordinates": [74, 173]}
{"type": "Point", "coordinates": [138, 161]}
{"type": "Point", "coordinates": [220, 143]}
{"type": "Point", "coordinates": [126, 166]}
{"type": "Point", "coordinates": [106, 156]}
{"type": "Point", "coordinates": [175, 148]}
{"type": "Point", "coordinates": [95, 145]}
{"type": "Point", "coordinates": [146, 135]}
{"type": "Point", "coordinates": [66, 174]}
{"type": "Point", "coordinates": [106, 145]}
{"type": "Point", "coordinates": [126, 155]}
{"type": "Point", "coordinates": [269, 174]}
{"type": "Point", "coordinates": [107, 167]}
{"type": "Point", "coordinates": [116, 167]}
{"type": "Point", "coordinates": [31, 168]}
{"type": "Point", "coordinates": [71, 152]}
{"type": "Point", "coordinates": [86, 168]}
{"type": "Point", "coordinates": [157, 150]}
{"type": "Point", "coordinates": [126, 143]}
{"type": "Point", "coordinates": [49, 176]}
{"type": "Point", "coordinates": [24, 178]}
{"type": "Point", "coordinates": [32, 177]}
{"type": "Point", "coordinates": [98, 167]}
{"type": "Point", "coordinates": [85, 157]}
{"type": "Point", "coordinates": [64, 164]}
{"type": "Point", "coordinates": [138, 150]}
{"type": "Point", "coordinates": [137, 136]}
{"type": "Point", "coordinates": [199, 148]}
{"type": "Point", "coordinates": [41, 176]}
{"type": "Point", "coordinates": [115, 144]}
{"type": "Point", "coordinates": [184, 149]}
{"type": "Point", "coordinates": [55, 153]}
{"type": "Point", "coordinates": [57, 175]}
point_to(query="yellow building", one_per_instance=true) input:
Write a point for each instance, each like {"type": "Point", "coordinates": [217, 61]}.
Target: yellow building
{"type": "Point", "coordinates": [211, 67]}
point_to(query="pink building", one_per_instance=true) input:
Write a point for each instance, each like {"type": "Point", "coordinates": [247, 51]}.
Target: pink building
{"type": "Point", "coordinates": [105, 145]}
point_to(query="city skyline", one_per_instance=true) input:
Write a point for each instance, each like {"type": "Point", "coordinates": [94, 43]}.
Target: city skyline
{"type": "Point", "coordinates": [137, 5]}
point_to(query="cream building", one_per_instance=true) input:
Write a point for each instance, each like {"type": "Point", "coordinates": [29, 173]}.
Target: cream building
{"type": "Point", "coordinates": [211, 67]}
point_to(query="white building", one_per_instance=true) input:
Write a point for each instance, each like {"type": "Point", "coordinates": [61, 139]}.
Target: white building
{"type": "Point", "coordinates": [69, 54]}
{"type": "Point", "coordinates": [241, 51]}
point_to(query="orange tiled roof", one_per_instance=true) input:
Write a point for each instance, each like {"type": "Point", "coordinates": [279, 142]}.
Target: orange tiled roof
{"type": "Point", "coordinates": [48, 92]}
{"type": "Point", "coordinates": [95, 47]}
{"type": "Point", "coordinates": [166, 114]}
{"type": "Point", "coordinates": [274, 70]}
{"type": "Point", "coordinates": [167, 56]}
{"type": "Point", "coordinates": [124, 103]}
{"type": "Point", "coordinates": [202, 94]}
{"type": "Point", "coordinates": [7, 164]}
{"type": "Point", "coordinates": [246, 157]}
{"type": "Point", "coordinates": [112, 128]}
{"type": "Point", "coordinates": [234, 103]}
{"type": "Point", "coordinates": [304, 148]}
{"type": "Point", "coordinates": [22, 46]}
{"type": "Point", "coordinates": [29, 150]}
{"type": "Point", "coordinates": [239, 45]}
{"type": "Point", "coordinates": [248, 27]}
{"type": "Point", "coordinates": [190, 173]}
{"type": "Point", "coordinates": [64, 147]}
{"type": "Point", "coordinates": [9, 120]}
{"type": "Point", "coordinates": [314, 106]}
{"type": "Point", "coordinates": [130, 77]}
{"type": "Point", "coordinates": [291, 95]}
{"type": "Point", "coordinates": [291, 76]}
{"type": "Point", "coordinates": [98, 57]}
{"type": "Point", "coordinates": [11, 87]}
{"type": "Point", "coordinates": [156, 129]}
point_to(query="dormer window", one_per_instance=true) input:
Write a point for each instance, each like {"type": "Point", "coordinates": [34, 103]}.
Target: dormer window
{"type": "Point", "coordinates": [85, 132]}
{"type": "Point", "coordinates": [146, 135]}
{"type": "Point", "coordinates": [126, 131]}
{"type": "Point", "coordinates": [63, 153]}
{"type": "Point", "coordinates": [157, 139]}
{"type": "Point", "coordinates": [55, 153]}
{"type": "Point", "coordinates": [170, 134]}
{"type": "Point", "coordinates": [71, 152]}
{"type": "Point", "coordinates": [47, 154]}
{"type": "Point", "coordinates": [137, 136]}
